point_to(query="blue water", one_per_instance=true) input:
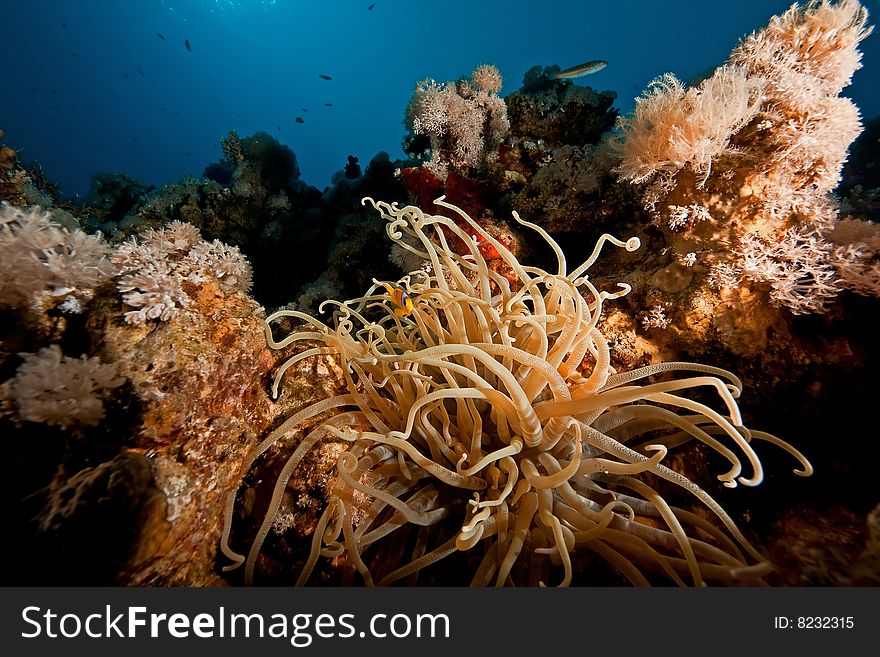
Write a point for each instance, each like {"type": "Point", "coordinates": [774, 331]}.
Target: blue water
{"type": "Point", "coordinates": [88, 85]}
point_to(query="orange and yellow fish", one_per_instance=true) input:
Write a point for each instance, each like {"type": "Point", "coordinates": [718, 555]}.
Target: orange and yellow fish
{"type": "Point", "coordinates": [401, 303]}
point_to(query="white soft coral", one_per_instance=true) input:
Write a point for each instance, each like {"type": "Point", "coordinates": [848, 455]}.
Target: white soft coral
{"type": "Point", "coordinates": [38, 256]}
{"type": "Point", "coordinates": [58, 390]}
{"type": "Point", "coordinates": [152, 272]}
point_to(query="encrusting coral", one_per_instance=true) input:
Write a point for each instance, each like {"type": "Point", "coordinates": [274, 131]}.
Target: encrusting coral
{"type": "Point", "coordinates": [486, 419]}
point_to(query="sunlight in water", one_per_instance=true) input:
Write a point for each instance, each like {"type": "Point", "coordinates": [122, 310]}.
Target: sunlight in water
{"type": "Point", "coordinates": [221, 7]}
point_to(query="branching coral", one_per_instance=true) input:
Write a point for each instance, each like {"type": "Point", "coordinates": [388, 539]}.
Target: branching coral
{"type": "Point", "coordinates": [465, 121]}
{"type": "Point", "coordinates": [231, 146]}
{"type": "Point", "coordinates": [492, 409]}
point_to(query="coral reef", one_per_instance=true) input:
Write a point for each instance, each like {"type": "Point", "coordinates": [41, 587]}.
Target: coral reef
{"type": "Point", "coordinates": [355, 255]}
{"type": "Point", "coordinates": [26, 183]}
{"type": "Point", "coordinates": [551, 165]}
{"type": "Point", "coordinates": [160, 431]}
{"type": "Point", "coordinates": [155, 414]}
{"type": "Point", "coordinates": [154, 274]}
{"type": "Point", "coordinates": [112, 196]}
{"type": "Point", "coordinates": [12, 176]}
{"type": "Point", "coordinates": [571, 188]}
{"type": "Point", "coordinates": [232, 148]}
{"type": "Point", "coordinates": [195, 381]}
{"type": "Point", "coordinates": [267, 169]}
{"type": "Point", "coordinates": [755, 150]}
{"type": "Point", "coordinates": [558, 112]}
{"type": "Point", "coordinates": [487, 423]}
{"type": "Point", "coordinates": [464, 121]}
{"type": "Point", "coordinates": [555, 167]}
{"type": "Point", "coordinates": [257, 204]}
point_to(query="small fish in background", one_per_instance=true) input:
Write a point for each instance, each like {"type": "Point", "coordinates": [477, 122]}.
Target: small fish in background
{"type": "Point", "coordinates": [299, 119]}
{"type": "Point", "coordinates": [304, 109]}
{"type": "Point", "coordinates": [278, 128]}
{"type": "Point", "coordinates": [126, 75]}
{"type": "Point", "coordinates": [324, 77]}
{"type": "Point", "coordinates": [140, 71]}
{"type": "Point", "coordinates": [580, 70]}
{"type": "Point", "coordinates": [401, 303]}
{"type": "Point", "coordinates": [328, 104]}
{"type": "Point", "coordinates": [63, 24]}
{"type": "Point", "coordinates": [186, 44]}
{"type": "Point", "coordinates": [73, 54]}
{"type": "Point", "coordinates": [160, 35]}
{"type": "Point", "coordinates": [370, 8]}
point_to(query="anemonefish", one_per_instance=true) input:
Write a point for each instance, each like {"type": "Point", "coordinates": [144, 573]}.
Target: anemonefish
{"type": "Point", "coordinates": [401, 304]}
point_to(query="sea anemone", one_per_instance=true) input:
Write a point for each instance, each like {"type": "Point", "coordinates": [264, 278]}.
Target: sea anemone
{"type": "Point", "coordinates": [489, 421]}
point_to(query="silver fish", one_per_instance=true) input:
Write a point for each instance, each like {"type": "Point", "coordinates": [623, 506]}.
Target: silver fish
{"type": "Point", "coordinates": [580, 70]}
